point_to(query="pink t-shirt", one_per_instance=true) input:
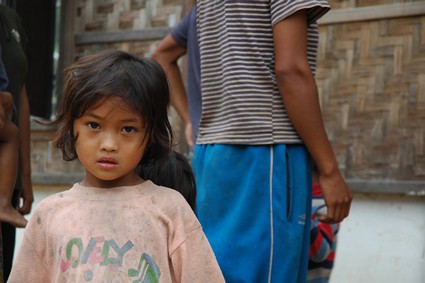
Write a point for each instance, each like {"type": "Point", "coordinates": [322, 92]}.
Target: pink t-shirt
{"type": "Point", "coordinates": [125, 234]}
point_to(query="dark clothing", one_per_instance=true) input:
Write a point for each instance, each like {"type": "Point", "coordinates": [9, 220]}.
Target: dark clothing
{"type": "Point", "coordinates": [8, 234]}
{"type": "Point", "coordinates": [13, 40]}
{"type": "Point", "coordinates": [4, 81]}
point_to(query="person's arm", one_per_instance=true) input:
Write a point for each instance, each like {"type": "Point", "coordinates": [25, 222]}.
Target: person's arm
{"type": "Point", "coordinates": [25, 155]}
{"type": "Point", "coordinates": [300, 97]}
{"type": "Point", "coordinates": [167, 54]}
{"type": "Point", "coordinates": [6, 105]}
{"type": "Point", "coordinates": [194, 260]}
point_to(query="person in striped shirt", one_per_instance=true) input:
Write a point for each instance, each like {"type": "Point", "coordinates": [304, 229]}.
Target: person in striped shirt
{"type": "Point", "coordinates": [260, 129]}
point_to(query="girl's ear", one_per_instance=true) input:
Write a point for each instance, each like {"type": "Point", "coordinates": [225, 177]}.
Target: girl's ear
{"type": "Point", "coordinates": [71, 132]}
{"type": "Point", "coordinates": [72, 135]}
{"type": "Point", "coordinates": [148, 141]}
{"type": "Point", "coordinates": [147, 157]}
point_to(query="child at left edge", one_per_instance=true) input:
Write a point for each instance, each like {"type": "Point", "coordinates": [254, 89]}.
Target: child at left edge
{"type": "Point", "coordinates": [9, 151]}
{"type": "Point", "coordinates": [114, 226]}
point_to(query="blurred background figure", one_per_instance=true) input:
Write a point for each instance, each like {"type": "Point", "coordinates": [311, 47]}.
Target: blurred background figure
{"type": "Point", "coordinates": [9, 146]}
{"type": "Point", "coordinates": [13, 40]}
{"type": "Point", "coordinates": [187, 101]}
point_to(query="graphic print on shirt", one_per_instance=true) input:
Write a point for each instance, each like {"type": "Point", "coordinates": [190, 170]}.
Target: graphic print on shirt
{"type": "Point", "coordinates": [107, 253]}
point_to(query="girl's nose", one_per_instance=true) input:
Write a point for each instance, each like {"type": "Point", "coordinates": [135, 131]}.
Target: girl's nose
{"type": "Point", "coordinates": [109, 142]}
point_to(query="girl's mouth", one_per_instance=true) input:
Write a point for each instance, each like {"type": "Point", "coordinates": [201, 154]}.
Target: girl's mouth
{"type": "Point", "coordinates": [107, 163]}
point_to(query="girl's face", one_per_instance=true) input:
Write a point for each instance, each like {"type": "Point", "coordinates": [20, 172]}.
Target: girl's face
{"type": "Point", "coordinates": [110, 142]}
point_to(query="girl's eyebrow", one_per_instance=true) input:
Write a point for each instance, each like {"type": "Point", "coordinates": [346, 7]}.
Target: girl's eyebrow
{"type": "Point", "coordinates": [126, 120]}
{"type": "Point", "coordinates": [94, 116]}
{"type": "Point", "coordinates": [130, 120]}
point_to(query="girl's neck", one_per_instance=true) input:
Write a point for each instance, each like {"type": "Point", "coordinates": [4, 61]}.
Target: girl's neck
{"type": "Point", "coordinates": [107, 184]}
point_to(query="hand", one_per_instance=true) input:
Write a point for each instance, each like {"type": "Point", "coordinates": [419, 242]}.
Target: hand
{"type": "Point", "coordinates": [189, 134]}
{"type": "Point", "coordinates": [26, 195]}
{"type": "Point", "coordinates": [337, 197]}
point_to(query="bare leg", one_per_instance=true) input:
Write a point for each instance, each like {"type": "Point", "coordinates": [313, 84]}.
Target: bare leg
{"type": "Point", "coordinates": [9, 148]}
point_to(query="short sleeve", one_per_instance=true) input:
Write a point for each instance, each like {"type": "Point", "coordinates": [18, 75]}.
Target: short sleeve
{"type": "Point", "coordinates": [181, 32]}
{"type": "Point", "coordinates": [22, 32]}
{"type": "Point", "coordinates": [29, 264]}
{"type": "Point", "coordinates": [281, 9]}
{"type": "Point", "coordinates": [192, 257]}
{"type": "Point", "coordinates": [194, 260]}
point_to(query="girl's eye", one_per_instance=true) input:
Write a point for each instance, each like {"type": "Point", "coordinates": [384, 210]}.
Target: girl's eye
{"type": "Point", "coordinates": [129, 130]}
{"type": "Point", "coordinates": [93, 125]}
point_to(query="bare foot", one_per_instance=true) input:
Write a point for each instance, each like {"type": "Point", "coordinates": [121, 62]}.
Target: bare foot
{"type": "Point", "coordinates": [13, 217]}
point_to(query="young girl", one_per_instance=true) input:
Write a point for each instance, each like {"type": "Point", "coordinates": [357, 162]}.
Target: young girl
{"type": "Point", "coordinates": [114, 226]}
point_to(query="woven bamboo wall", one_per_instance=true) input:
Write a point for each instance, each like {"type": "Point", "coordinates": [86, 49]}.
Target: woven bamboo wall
{"type": "Point", "coordinates": [122, 16]}
{"type": "Point", "coordinates": [371, 79]}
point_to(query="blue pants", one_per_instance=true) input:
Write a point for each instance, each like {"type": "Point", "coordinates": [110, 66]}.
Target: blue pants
{"type": "Point", "coordinates": [254, 204]}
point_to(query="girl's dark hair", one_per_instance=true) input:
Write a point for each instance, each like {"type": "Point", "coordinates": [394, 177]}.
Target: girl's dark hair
{"type": "Point", "coordinates": [175, 173]}
{"type": "Point", "coordinates": [140, 82]}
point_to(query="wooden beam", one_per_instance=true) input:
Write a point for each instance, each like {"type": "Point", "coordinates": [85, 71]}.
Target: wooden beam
{"type": "Point", "coordinates": [132, 35]}
{"type": "Point", "coordinates": [372, 13]}
{"type": "Point", "coordinates": [66, 42]}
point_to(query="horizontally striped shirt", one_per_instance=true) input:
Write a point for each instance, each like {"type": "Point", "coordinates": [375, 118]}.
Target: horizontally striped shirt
{"type": "Point", "coordinates": [241, 100]}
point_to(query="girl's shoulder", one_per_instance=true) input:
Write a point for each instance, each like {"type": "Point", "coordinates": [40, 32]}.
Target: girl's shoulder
{"type": "Point", "coordinates": [54, 199]}
{"type": "Point", "coordinates": [169, 200]}
{"type": "Point", "coordinates": [161, 191]}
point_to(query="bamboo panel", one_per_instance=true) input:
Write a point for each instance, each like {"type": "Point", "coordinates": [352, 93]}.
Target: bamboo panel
{"type": "Point", "coordinates": [371, 79]}
{"type": "Point", "coordinates": [121, 15]}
